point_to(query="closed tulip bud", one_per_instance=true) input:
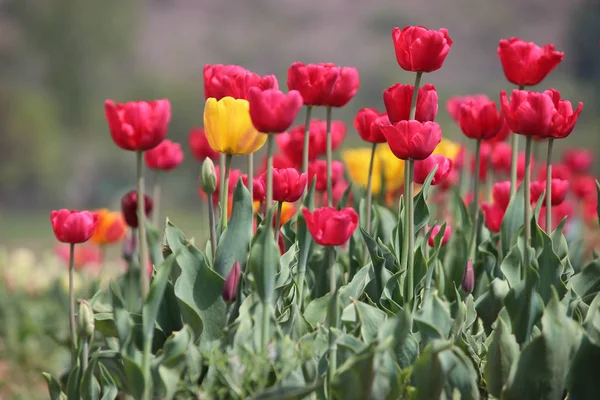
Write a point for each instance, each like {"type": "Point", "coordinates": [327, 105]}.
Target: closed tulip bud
{"type": "Point", "coordinates": [231, 283]}
{"type": "Point", "coordinates": [329, 226]}
{"type": "Point", "coordinates": [413, 139]}
{"type": "Point", "coordinates": [208, 177]}
{"type": "Point", "coordinates": [435, 231]}
{"type": "Point", "coordinates": [424, 167]}
{"type": "Point", "coordinates": [468, 280]}
{"type": "Point", "coordinates": [419, 49]}
{"type": "Point", "coordinates": [559, 189]}
{"type": "Point", "coordinates": [323, 84]}
{"type": "Point", "coordinates": [525, 63]}
{"type": "Point", "coordinates": [129, 204]}
{"type": "Point", "coordinates": [73, 226]}
{"type": "Point", "coordinates": [398, 98]}
{"type": "Point", "coordinates": [129, 248]}
{"type": "Point", "coordinates": [166, 156]}
{"type": "Point", "coordinates": [85, 320]}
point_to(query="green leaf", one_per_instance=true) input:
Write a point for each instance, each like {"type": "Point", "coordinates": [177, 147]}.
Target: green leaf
{"type": "Point", "coordinates": [434, 320]}
{"type": "Point", "coordinates": [289, 392]}
{"type": "Point", "coordinates": [74, 382]}
{"type": "Point", "coordinates": [398, 329]}
{"type": "Point", "coordinates": [355, 377]}
{"type": "Point", "coordinates": [387, 223]}
{"type": "Point", "coordinates": [155, 296]}
{"type": "Point", "coordinates": [356, 286]}
{"type": "Point", "coordinates": [501, 355]}
{"type": "Point", "coordinates": [135, 378]}
{"type": "Point", "coordinates": [371, 319]}
{"type": "Point", "coordinates": [511, 265]}
{"type": "Point", "coordinates": [550, 269]}
{"type": "Point", "coordinates": [305, 242]}
{"type": "Point", "coordinates": [107, 384]}
{"type": "Point", "coordinates": [90, 388]}
{"type": "Point", "coordinates": [54, 387]}
{"type": "Point", "coordinates": [513, 219]}
{"type": "Point", "coordinates": [524, 306]}
{"type": "Point", "coordinates": [587, 282]}
{"type": "Point", "coordinates": [264, 259]}
{"type": "Point", "coordinates": [316, 310]}
{"type": "Point", "coordinates": [490, 303]}
{"type": "Point", "coordinates": [235, 240]}
{"type": "Point", "coordinates": [421, 209]}
{"type": "Point", "coordinates": [583, 381]}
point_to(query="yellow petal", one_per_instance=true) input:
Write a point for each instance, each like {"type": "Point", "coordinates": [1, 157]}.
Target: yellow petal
{"type": "Point", "coordinates": [447, 148]}
{"type": "Point", "coordinates": [393, 168]}
{"type": "Point", "coordinates": [357, 163]}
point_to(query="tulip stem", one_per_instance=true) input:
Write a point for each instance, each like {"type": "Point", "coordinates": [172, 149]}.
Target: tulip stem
{"type": "Point", "coordinates": [251, 176]}
{"type": "Point", "coordinates": [222, 184]}
{"type": "Point", "coordinates": [527, 205]}
{"type": "Point", "coordinates": [278, 221]}
{"type": "Point", "coordinates": [333, 317]}
{"type": "Point", "coordinates": [266, 320]}
{"type": "Point", "coordinates": [413, 102]}
{"type": "Point", "coordinates": [549, 186]}
{"type": "Point", "coordinates": [84, 353]}
{"type": "Point", "coordinates": [489, 179]}
{"type": "Point", "coordinates": [370, 189]}
{"type": "Point", "coordinates": [212, 228]}
{"type": "Point", "coordinates": [329, 160]}
{"type": "Point", "coordinates": [514, 144]}
{"type": "Point", "coordinates": [225, 192]}
{"type": "Point", "coordinates": [475, 204]}
{"type": "Point", "coordinates": [72, 303]}
{"type": "Point", "coordinates": [410, 231]}
{"type": "Point", "coordinates": [306, 144]}
{"type": "Point", "coordinates": [269, 196]}
{"type": "Point", "coordinates": [156, 200]}
{"type": "Point", "coordinates": [142, 245]}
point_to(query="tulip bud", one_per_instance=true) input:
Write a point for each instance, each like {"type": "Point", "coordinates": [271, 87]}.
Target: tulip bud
{"type": "Point", "coordinates": [231, 283]}
{"type": "Point", "coordinates": [85, 321]}
{"type": "Point", "coordinates": [129, 205]}
{"type": "Point", "coordinates": [208, 177]}
{"type": "Point", "coordinates": [129, 247]}
{"type": "Point", "coordinates": [468, 280]}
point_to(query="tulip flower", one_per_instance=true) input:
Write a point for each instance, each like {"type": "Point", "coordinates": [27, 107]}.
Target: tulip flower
{"type": "Point", "coordinates": [199, 145]}
{"type": "Point", "coordinates": [421, 50]}
{"type": "Point", "coordinates": [367, 123]}
{"type": "Point", "coordinates": [492, 216]}
{"type": "Point", "coordinates": [579, 161]}
{"type": "Point", "coordinates": [397, 100]}
{"type": "Point", "coordinates": [85, 255]}
{"type": "Point", "coordinates": [273, 111]}
{"type": "Point", "coordinates": [529, 113]}
{"type": "Point", "coordinates": [330, 227]}
{"type": "Point", "coordinates": [233, 81]}
{"type": "Point", "coordinates": [435, 231]}
{"type": "Point", "coordinates": [558, 192]}
{"type": "Point", "coordinates": [288, 184]}
{"type": "Point", "coordinates": [584, 186]}
{"type": "Point", "coordinates": [424, 167]}
{"type": "Point", "coordinates": [501, 156]}
{"type": "Point", "coordinates": [502, 134]}
{"type": "Point", "coordinates": [110, 229]}
{"type": "Point", "coordinates": [166, 156]}
{"type": "Point", "coordinates": [564, 120]}
{"type": "Point", "coordinates": [412, 139]}
{"type": "Point", "coordinates": [291, 143]}
{"type": "Point", "coordinates": [385, 163]}
{"type": "Point", "coordinates": [231, 283]}
{"type": "Point", "coordinates": [339, 189]}
{"type": "Point", "coordinates": [129, 208]}
{"type": "Point", "coordinates": [480, 120]}
{"type": "Point", "coordinates": [453, 104]}
{"type": "Point", "coordinates": [468, 280]}
{"type": "Point", "coordinates": [323, 84]}
{"type": "Point", "coordinates": [525, 63]}
{"type": "Point", "coordinates": [318, 169]}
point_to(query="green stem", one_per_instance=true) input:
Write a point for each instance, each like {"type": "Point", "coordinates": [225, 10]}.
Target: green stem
{"type": "Point", "coordinates": [370, 189]}
{"type": "Point", "coordinates": [146, 368]}
{"type": "Point", "coordinates": [251, 176]}
{"type": "Point", "coordinates": [269, 197]}
{"type": "Point", "coordinates": [475, 216]}
{"type": "Point", "coordinates": [549, 186]}
{"type": "Point", "coordinates": [411, 232]}
{"type": "Point", "coordinates": [413, 101]}
{"type": "Point", "coordinates": [156, 200]}
{"type": "Point", "coordinates": [306, 142]}
{"type": "Point", "coordinates": [333, 317]}
{"type": "Point", "coordinates": [404, 254]}
{"type": "Point", "coordinates": [265, 325]}
{"type": "Point", "coordinates": [85, 351]}
{"type": "Point", "coordinates": [278, 221]}
{"type": "Point", "coordinates": [514, 144]}
{"type": "Point", "coordinates": [225, 192]}
{"type": "Point", "coordinates": [212, 227]}
{"type": "Point", "coordinates": [490, 179]}
{"type": "Point", "coordinates": [133, 290]}
{"type": "Point", "coordinates": [329, 160]}
{"type": "Point", "coordinates": [142, 245]}
{"type": "Point", "coordinates": [527, 205]}
{"type": "Point", "coordinates": [72, 303]}
{"type": "Point", "coordinates": [222, 184]}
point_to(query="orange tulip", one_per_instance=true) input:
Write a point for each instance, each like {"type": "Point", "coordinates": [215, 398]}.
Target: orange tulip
{"type": "Point", "coordinates": [110, 229]}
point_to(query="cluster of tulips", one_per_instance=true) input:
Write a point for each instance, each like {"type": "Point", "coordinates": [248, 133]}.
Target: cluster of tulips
{"type": "Point", "coordinates": [245, 111]}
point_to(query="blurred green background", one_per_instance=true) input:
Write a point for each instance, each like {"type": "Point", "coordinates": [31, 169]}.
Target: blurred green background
{"type": "Point", "coordinates": [60, 59]}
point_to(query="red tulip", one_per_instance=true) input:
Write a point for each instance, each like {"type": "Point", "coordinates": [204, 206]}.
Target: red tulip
{"type": "Point", "coordinates": [484, 156]}
{"type": "Point", "coordinates": [84, 255]}
{"type": "Point", "coordinates": [199, 146]}
{"type": "Point", "coordinates": [318, 169]}
{"type": "Point", "coordinates": [166, 156]}
{"type": "Point", "coordinates": [279, 161]}
{"type": "Point", "coordinates": [292, 143]}
{"type": "Point", "coordinates": [564, 119]}
{"type": "Point", "coordinates": [73, 226]}
{"type": "Point", "coordinates": [579, 161]}
{"type": "Point", "coordinates": [129, 204]}
{"type": "Point", "coordinates": [584, 187]}
{"type": "Point", "coordinates": [501, 194]}
{"type": "Point", "coordinates": [398, 98]}
{"type": "Point", "coordinates": [590, 211]}
{"type": "Point", "coordinates": [525, 63]}
{"type": "Point", "coordinates": [231, 283]}
{"type": "Point", "coordinates": [502, 134]}
{"type": "Point", "coordinates": [421, 50]}
{"type": "Point", "coordinates": [492, 216]}
{"type": "Point", "coordinates": [434, 232]}
{"type": "Point", "coordinates": [367, 122]}
{"type": "Point", "coordinates": [501, 157]}
{"type": "Point", "coordinates": [234, 81]}
{"type": "Point", "coordinates": [424, 167]}
{"type": "Point", "coordinates": [521, 166]}
{"type": "Point", "coordinates": [412, 139]}
{"type": "Point", "coordinates": [339, 188]}
{"type": "Point", "coordinates": [559, 189]}
{"type": "Point", "coordinates": [528, 113]}
{"type": "Point", "coordinates": [468, 280]}
{"type": "Point", "coordinates": [453, 104]}
{"type": "Point", "coordinates": [323, 84]}
{"type": "Point", "coordinates": [273, 111]}
{"type": "Point", "coordinates": [138, 125]}
{"type": "Point", "coordinates": [288, 184]}
{"type": "Point", "coordinates": [559, 171]}
{"type": "Point", "coordinates": [451, 180]}
{"type": "Point", "coordinates": [480, 120]}
{"type": "Point", "coordinates": [564, 209]}
{"type": "Point", "coordinates": [330, 227]}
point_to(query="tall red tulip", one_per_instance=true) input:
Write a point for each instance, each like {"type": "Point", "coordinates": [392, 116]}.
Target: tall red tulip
{"type": "Point", "coordinates": [480, 119]}
{"type": "Point", "coordinates": [424, 167]}
{"type": "Point", "coordinates": [453, 104]}
{"type": "Point", "coordinates": [525, 63]}
{"type": "Point", "coordinates": [318, 169]}
{"type": "Point", "coordinates": [528, 113]}
{"type": "Point", "coordinates": [583, 186]}
{"type": "Point", "coordinates": [397, 100]}
{"type": "Point", "coordinates": [435, 231]}
{"type": "Point", "coordinates": [73, 226]}
{"type": "Point", "coordinates": [367, 123]}
{"type": "Point", "coordinates": [292, 143]}
{"type": "Point", "coordinates": [233, 81]}
{"type": "Point", "coordinates": [564, 119]}
{"type": "Point", "coordinates": [138, 125]}
{"type": "Point", "coordinates": [288, 184]}
{"type": "Point", "coordinates": [412, 139]}
{"type": "Point", "coordinates": [330, 227]}
{"type": "Point", "coordinates": [231, 283]}
{"type": "Point", "coordinates": [199, 145]}
{"type": "Point", "coordinates": [559, 191]}
{"type": "Point", "coordinates": [166, 156]}
{"type": "Point", "coordinates": [129, 204]}
{"type": "Point", "coordinates": [419, 49]}
{"type": "Point", "coordinates": [273, 111]}
{"type": "Point", "coordinates": [501, 157]}
{"type": "Point", "coordinates": [323, 84]}
{"type": "Point", "coordinates": [579, 161]}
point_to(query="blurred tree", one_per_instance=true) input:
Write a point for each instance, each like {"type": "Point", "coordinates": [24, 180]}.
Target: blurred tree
{"type": "Point", "coordinates": [584, 48]}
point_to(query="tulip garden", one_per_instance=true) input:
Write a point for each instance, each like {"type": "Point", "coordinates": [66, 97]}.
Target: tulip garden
{"type": "Point", "coordinates": [411, 268]}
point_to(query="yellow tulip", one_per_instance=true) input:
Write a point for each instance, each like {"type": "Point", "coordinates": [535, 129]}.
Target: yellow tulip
{"type": "Point", "coordinates": [357, 163]}
{"type": "Point", "coordinates": [448, 148]}
{"type": "Point", "coordinates": [228, 127]}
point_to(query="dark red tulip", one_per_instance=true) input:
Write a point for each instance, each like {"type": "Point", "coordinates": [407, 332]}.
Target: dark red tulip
{"type": "Point", "coordinates": [199, 146]}
{"type": "Point", "coordinates": [166, 156]}
{"type": "Point", "coordinates": [73, 226]}
{"type": "Point", "coordinates": [318, 168]}
{"type": "Point", "coordinates": [435, 231]}
{"type": "Point", "coordinates": [329, 226]}
{"type": "Point", "coordinates": [234, 81]}
{"type": "Point", "coordinates": [564, 120]}
{"type": "Point", "coordinates": [453, 104]}
{"type": "Point", "coordinates": [398, 98]}
{"type": "Point", "coordinates": [480, 120]}
{"type": "Point", "coordinates": [501, 157]}
{"type": "Point", "coordinates": [138, 125]}
{"type": "Point", "coordinates": [292, 143]}
{"type": "Point", "coordinates": [468, 280]}
{"type": "Point", "coordinates": [129, 204]}
{"type": "Point", "coordinates": [419, 49]}
{"type": "Point", "coordinates": [579, 161]}
{"type": "Point", "coordinates": [412, 139]}
{"type": "Point", "coordinates": [288, 184]}
{"type": "Point", "coordinates": [323, 84]}
{"type": "Point", "coordinates": [367, 122]}
{"type": "Point", "coordinates": [525, 63]}
{"type": "Point", "coordinates": [583, 187]}
{"type": "Point", "coordinates": [231, 283]}
{"type": "Point", "coordinates": [559, 189]}
{"type": "Point", "coordinates": [273, 111]}
{"type": "Point", "coordinates": [529, 113]}
{"type": "Point", "coordinates": [424, 167]}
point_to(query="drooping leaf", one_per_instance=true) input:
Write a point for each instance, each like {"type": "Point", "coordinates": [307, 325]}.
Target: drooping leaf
{"type": "Point", "coordinates": [354, 378]}
{"type": "Point", "coordinates": [54, 389]}
{"type": "Point", "coordinates": [587, 282]}
{"type": "Point", "coordinates": [513, 219]}
{"type": "Point", "coordinates": [501, 355]}
{"type": "Point", "coordinates": [524, 306]}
